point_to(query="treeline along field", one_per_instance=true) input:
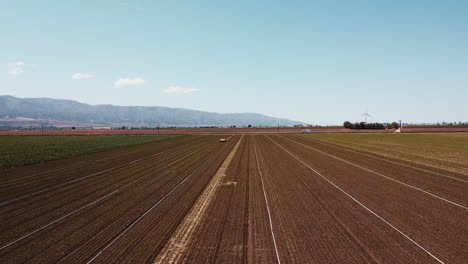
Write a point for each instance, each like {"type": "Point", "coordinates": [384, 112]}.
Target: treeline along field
{"type": "Point", "coordinates": [16, 151]}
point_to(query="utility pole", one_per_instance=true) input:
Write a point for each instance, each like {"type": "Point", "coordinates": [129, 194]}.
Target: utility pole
{"type": "Point", "coordinates": [401, 128]}
{"type": "Point", "coordinates": [42, 127]}
{"type": "Point", "coordinates": [158, 129]}
{"type": "Point", "coordinates": [278, 127]}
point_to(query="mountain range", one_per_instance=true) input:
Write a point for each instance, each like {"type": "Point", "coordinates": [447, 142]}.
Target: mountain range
{"type": "Point", "coordinates": [62, 113]}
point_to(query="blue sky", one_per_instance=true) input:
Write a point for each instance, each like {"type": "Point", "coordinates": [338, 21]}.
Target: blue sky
{"type": "Point", "coordinates": [319, 62]}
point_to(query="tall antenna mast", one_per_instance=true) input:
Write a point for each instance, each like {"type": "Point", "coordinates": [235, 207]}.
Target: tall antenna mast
{"type": "Point", "coordinates": [366, 114]}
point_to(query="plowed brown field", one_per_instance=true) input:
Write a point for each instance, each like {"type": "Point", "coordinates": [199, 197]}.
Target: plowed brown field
{"type": "Point", "coordinates": [253, 199]}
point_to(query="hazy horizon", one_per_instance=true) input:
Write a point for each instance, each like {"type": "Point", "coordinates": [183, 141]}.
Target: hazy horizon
{"type": "Point", "coordinates": [319, 62]}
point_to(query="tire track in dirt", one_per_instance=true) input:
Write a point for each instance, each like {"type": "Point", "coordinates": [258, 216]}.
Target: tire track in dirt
{"type": "Point", "coordinates": [155, 205]}
{"type": "Point", "coordinates": [267, 206]}
{"type": "Point", "coordinates": [119, 189]}
{"type": "Point", "coordinates": [382, 175]}
{"type": "Point", "coordinates": [47, 171]}
{"type": "Point", "coordinates": [124, 165]}
{"type": "Point", "coordinates": [176, 247]}
{"type": "Point", "coordinates": [361, 204]}
{"type": "Point", "coordinates": [386, 159]}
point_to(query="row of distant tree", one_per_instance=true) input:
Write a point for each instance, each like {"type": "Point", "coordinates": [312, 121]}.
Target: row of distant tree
{"type": "Point", "coordinates": [364, 125]}
{"type": "Point", "coordinates": [459, 124]}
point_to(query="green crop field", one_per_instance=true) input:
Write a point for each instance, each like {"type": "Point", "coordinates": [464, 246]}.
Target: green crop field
{"type": "Point", "coordinates": [447, 151]}
{"type": "Point", "coordinates": [16, 151]}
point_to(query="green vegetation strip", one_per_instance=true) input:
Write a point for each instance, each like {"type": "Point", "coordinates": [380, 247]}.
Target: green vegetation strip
{"type": "Point", "coordinates": [16, 151]}
{"type": "Point", "coordinates": [447, 151]}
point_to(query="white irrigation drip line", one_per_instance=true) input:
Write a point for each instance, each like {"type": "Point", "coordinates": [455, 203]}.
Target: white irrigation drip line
{"type": "Point", "coordinates": [55, 170]}
{"type": "Point", "coordinates": [87, 205]}
{"type": "Point", "coordinates": [267, 205]}
{"type": "Point", "coordinates": [59, 169]}
{"type": "Point", "coordinates": [381, 175]}
{"type": "Point", "coordinates": [148, 211]}
{"type": "Point", "coordinates": [176, 245]}
{"type": "Point", "coordinates": [54, 187]}
{"type": "Point", "coordinates": [391, 161]}
{"type": "Point", "coordinates": [40, 173]}
{"type": "Point", "coordinates": [87, 176]}
{"type": "Point", "coordinates": [71, 166]}
{"type": "Point", "coordinates": [361, 204]}
{"type": "Point", "coordinates": [57, 220]}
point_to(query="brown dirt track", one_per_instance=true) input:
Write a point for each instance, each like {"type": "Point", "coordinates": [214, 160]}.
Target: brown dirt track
{"type": "Point", "coordinates": [327, 205]}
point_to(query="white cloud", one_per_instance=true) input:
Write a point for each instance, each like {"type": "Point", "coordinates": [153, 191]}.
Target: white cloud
{"type": "Point", "coordinates": [180, 90]}
{"type": "Point", "coordinates": [80, 76]}
{"type": "Point", "coordinates": [16, 68]}
{"type": "Point", "coordinates": [122, 82]}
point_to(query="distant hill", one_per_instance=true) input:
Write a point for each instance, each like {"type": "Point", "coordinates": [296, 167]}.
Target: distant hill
{"type": "Point", "coordinates": [14, 111]}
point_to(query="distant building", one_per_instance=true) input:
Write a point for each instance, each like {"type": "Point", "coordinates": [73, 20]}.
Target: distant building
{"type": "Point", "coordinates": [101, 128]}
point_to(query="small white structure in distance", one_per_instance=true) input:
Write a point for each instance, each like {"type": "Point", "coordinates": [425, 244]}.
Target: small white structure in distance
{"type": "Point", "coordinates": [306, 131]}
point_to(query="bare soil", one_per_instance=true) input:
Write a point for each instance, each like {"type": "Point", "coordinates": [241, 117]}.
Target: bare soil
{"type": "Point", "coordinates": [327, 205]}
